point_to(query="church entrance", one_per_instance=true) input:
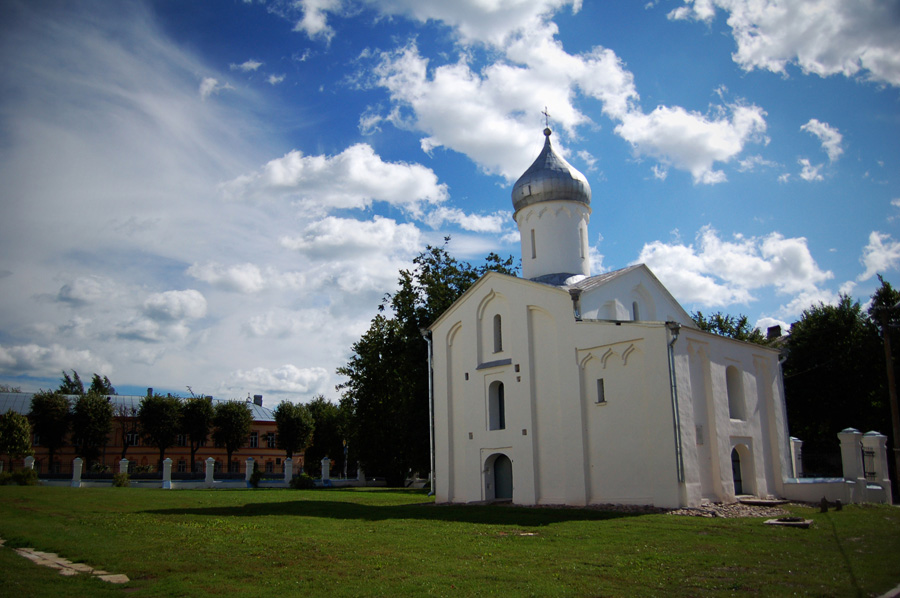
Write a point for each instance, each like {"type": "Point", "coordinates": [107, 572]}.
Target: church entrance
{"type": "Point", "coordinates": [503, 482]}
{"type": "Point", "coordinates": [736, 472]}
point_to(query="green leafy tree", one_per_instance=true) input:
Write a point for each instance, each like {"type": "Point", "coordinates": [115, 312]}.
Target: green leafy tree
{"type": "Point", "coordinates": [386, 393]}
{"type": "Point", "coordinates": [15, 435]}
{"type": "Point", "coordinates": [101, 386]}
{"type": "Point", "coordinates": [91, 424]}
{"type": "Point", "coordinates": [328, 439]}
{"type": "Point", "coordinates": [71, 385]}
{"type": "Point", "coordinates": [196, 423]}
{"type": "Point", "coordinates": [833, 378]}
{"type": "Point", "coordinates": [126, 418]}
{"type": "Point", "coordinates": [736, 327]}
{"type": "Point", "coordinates": [295, 427]}
{"type": "Point", "coordinates": [160, 421]}
{"type": "Point", "coordinates": [50, 418]}
{"type": "Point", "coordinates": [231, 425]}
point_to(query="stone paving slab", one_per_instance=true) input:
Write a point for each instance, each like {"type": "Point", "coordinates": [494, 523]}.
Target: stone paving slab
{"type": "Point", "coordinates": [67, 567]}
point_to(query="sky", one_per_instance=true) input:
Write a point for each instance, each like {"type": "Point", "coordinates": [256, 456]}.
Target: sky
{"type": "Point", "coordinates": [214, 197]}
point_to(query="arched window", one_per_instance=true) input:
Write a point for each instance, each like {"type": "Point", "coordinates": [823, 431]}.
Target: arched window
{"type": "Point", "coordinates": [735, 388]}
{"type": "Point", "coordinates": [496, 407]}
{"type": "Point", "coordinates": [498, 334]}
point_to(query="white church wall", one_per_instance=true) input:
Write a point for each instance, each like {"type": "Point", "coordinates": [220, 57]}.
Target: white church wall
{"type": "Point", "coordinates": [542, 226]}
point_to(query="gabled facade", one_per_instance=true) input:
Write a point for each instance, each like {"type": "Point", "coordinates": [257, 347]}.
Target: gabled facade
{"type": "Point", "coordinates": [561, 388]}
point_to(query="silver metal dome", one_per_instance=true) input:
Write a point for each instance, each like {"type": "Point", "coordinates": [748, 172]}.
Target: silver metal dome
{"type": "Point", "coordinates": [550, 178]}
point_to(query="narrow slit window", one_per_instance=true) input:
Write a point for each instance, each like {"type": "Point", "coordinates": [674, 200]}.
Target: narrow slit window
{"type": "Point", "coordinates": [601, 391]}
{"type": "Point", "coordinates": [496, 407]}
{"type": "Point", "coordinates": [635, 311]}
{"type": "Point", "coordinates": [581, 241]}
{"type": "Point", "coordinates": [533, 246]}
{"type": "Point", "coordinates": [498, 334]}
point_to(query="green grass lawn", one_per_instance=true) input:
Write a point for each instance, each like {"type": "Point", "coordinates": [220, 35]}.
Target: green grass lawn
{"type": "Point", "coordinates": [374, 542]}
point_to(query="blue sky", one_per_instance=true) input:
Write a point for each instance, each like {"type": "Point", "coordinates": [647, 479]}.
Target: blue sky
{"type": "Point", "coordinates": [218, 194]}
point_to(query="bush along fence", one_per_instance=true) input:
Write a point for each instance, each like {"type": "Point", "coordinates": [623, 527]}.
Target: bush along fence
{"type": "Point", "coordinates": [252, 476]}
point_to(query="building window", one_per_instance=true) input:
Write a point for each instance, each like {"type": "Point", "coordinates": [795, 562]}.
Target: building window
{"type": "Point", "coordinates": [635, 311]}
{"type": "Point", "coordinates": [581, 242]}
{"type": "Point", "coordinates": [496, 407]}
{"type": "Point", "coordinates": [133, 439]}
{"type": "Point", "coordinates": [182, 466]}
{"type": "Point", "coordinates": [182, 440]}
{"type": "Point", "coordinates": [270, 440]}
{"type": "Point", "coordinates": [234, 467]}
{"type": "Point", "coordinates": [498, 334]}
{"type": "Point", "coordinates": [254, 439]}
{"type": "Point", "coordinates": [36, 441]}
{"type": "Point", "coordinates": [601, 391]}
{"type": "Point", "coordinates": [270, 467]}
{"type": "Point", "coordinates": [533, 246]}
{"type": "Point", "coordinates": [735, 388]}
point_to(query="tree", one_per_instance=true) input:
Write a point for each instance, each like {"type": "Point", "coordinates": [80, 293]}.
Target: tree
{"type": "Point", "coordinates": [126, 417]}
{"type": "Point", "coordinates": [91, 425]}
{"type": "Point", "coordinates": [886, 316]}
{"type": "Point", "coordinates": [160, 420]}
{"type": "Point", "coordinates": [15, 435]}
{"type": "Point", "coordinates": [295, 427]}
{"type": "Point", "coordinates": [833, 378]}
{"type": "Point", "coordinates": [101, 386]}
{"type": "Point", "coordinates": [71, 386]}
{"type": "Point", "coordinates": [736, 327]}
{"type": "Point", "coordinates": [231, 421]}
{"type": "Point", "coordinates": [328, 438]}
{"type": "Point", "coordinates": [50, 418]}
{"type": "Point", "coordinates": [386, 393]}
{"type": "Point", "coordinates": [196, 422]}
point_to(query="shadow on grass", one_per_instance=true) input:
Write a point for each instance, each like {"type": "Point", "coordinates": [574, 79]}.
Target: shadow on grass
{"type": "Point", "coordinates": [478, 514]}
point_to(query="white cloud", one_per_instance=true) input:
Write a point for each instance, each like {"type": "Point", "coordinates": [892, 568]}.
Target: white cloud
{"type": "Point", "coordinates": [352, 179]}
{"type": "Point", "coordinates": [242, 278]}
{"type": "Point", "coordinates": [479, 223]}
{"type": "Point", "coordinates": [175, 305]}
{"type": "Point", "coordinates": [719, 273]}
{"type": "Point", "coordinates": [275, 79]}
{"type": "Point", "coordinates": [246, 66]}
{"type": "Point", "coordinates": [828, 135]}
{"type": "Point", "coordinates": [285, 379]}
{"type": "Point", "coordinates": [881, 254]}
{"type": "Point", "coordinates": [824, 37]}
{"type": "Point", "coordinates": [810, 172]}
{"type": "Point", "coordinates": [314, 21]}
{"type": "Point", "coordinates": [211, 85]}
{"type": "Point", "coordinates": [691, 141]}
{"type": "Point", "coordinates": [341, 238]}
{"type": "Point", "coordinates": [36, 360]}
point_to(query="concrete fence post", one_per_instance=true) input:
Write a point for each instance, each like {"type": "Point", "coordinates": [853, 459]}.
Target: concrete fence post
{"type": "Point", "coordinates": [167, 473]}
{"type": "Point", "coordinates": [360, 475]}
{"type": "Point", "coordinates": [851, 461]}
{"type": "Point", "coordinates": [326, 468]}
{"type": "Point", "coordinates": [29, 462]}
{"type": "Point", "coordinates": [288, 470]}
{"type": "Point", "coordinates": [248, 469]}
{"type": "Point", "coordinates": [797, 457]}
{"type": "Point", "coordinates": [76, 472]}
{"type": "Point", "coordinates": [210, 471]}
{"type": "Point", "coordinates": [875, 444]}
{"type": "Point", "coordinates": [123, 466]}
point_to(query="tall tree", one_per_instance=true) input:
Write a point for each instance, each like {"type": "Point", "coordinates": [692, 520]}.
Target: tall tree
{"type": "Point", "coordinates": [160, 419]}
{"type": "Point", "coordinates": [295, 427]}
{"type": "Point", "coordinates": [833, 378]}
{"type": "Point", "coordinates": [101, 386]}
{"type": "Point", "coordinates": [328, 438]}
{"type": "Point", "coordinates": [736, 327]}
{"type": "Point", "coordinates": [50, 418]}
{"type": "Point", "coordinates": [91, 425]}
{"type": "Point", "coordinates": [15, 435]}
{"type": "Point", "coordinates": [386, 392]}
{"type": "Point", "coordinates": [885, 314]}
{"type": "Point", "coordinates": [231, 422]}
{"type": "Point", "coordinates": [71, 385]}
{"type": "Point", "coordinates": [126, 418]}
{"type": "Point", "coordinates": [196, 422]}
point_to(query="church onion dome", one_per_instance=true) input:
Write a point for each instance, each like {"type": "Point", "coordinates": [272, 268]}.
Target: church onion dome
{"type": "Point", "coordinates": [550, 178]}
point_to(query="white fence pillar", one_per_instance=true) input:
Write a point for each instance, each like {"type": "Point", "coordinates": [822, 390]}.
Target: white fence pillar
{"type": "Point", "coordinates": [167, 473]}
{"type": "Point", "coordinates": [360, 475]}
{"type": "Point", "coordinates": [797, 457]}
{"type": "Point", "coordinates": [210, 470]}
{"type": "Point", "coordinates": [288, 470]}
{"type": "Point", "coordinates": [76, 472]}
{"type": "Point", "coordinates": [248, 469]}
{"type": "Point", "coordinates": [123, 466]}
{"type": "Point", "coordinates": [29, 462]}
{"type": "Point", "coordinates": [875, 448]}
{"type": "Point", "coordinates": [851, 461]}
{"type": "Point", "coordinates": [326, 468]}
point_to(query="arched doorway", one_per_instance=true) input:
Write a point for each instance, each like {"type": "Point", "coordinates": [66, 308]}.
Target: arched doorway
{"type": "Point", "coordinates": [503, 480]}
{"type": "Point", "coordinates": [736, 472]}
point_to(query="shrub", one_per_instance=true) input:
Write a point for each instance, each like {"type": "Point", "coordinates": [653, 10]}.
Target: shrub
{"type": "Point", "coordinates": [121, 480]}
{"type": "Point", "coordinates": [5, 478]}
{"type": "Point", "coordinates": [302, 482]}
{"type": "Point", "coordinates": [23, 477]}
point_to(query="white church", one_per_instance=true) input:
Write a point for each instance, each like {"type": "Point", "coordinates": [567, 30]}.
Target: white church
{"type": "Point", "coordinates": [565, 388]}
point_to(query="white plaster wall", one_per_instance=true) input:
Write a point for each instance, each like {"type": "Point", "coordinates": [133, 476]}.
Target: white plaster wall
{"type": "Point", "coordinates": [655, 303]}
{"type": "Point", "coordinates": [560, 235]}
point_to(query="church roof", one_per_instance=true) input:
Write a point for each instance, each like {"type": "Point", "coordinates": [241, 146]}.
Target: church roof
{"type": "Point", "coordinates": [550, 178]}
